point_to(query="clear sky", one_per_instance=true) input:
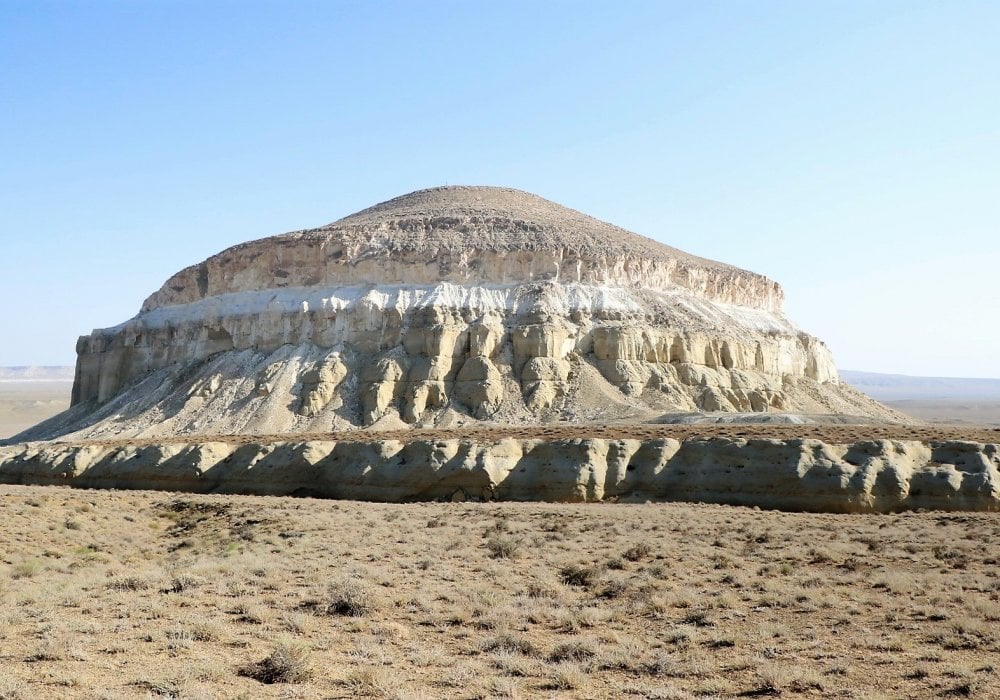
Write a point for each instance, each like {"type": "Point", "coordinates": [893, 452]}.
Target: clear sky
{"type": "Point", "coordinates": [849, 150]}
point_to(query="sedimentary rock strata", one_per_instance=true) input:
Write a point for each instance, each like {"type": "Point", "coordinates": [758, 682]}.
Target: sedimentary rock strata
{"type": "Point", "coordinates": [445, 306]}
{"type": "Point", "coordinates": [804, 474]}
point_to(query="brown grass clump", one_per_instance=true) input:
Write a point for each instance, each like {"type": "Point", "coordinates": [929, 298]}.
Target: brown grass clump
{"type": "Point", "coordinates": [155, 595]}
{"type": "Point", "coordinates": [579, 574]}
{"type": "Point", "coordinates": [348, 596]}
{"type": "Point", "coordinates": [288, 663]}
{"type": "Point", "coordinates": [503, 547]}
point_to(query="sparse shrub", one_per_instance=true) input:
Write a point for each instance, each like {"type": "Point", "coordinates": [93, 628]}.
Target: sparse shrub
{"type": "Point", "coordinates": [875, 546]}
{"type": "Point", "coordinates": [288, 663]}
{"type": "Point", "coordinates": [955, 558]}
{"type": "Point", "coordinates": [572, 651]}
{"type": "Point", "coordinates": [721, 643]}
{"type": "Point", "coordinates": [579, 574]}
{"type": "Point", "coordinates": [250, 614]}
{"type": "Point", "coordinates": [567, 676]}
{"type": "Point", "coordinates": [511, 663]}
{"type": "Point", "coordinates": [678, 636]}
{"type": "Point", "coordinates": [508, 642]}
{"type": "Point", "coordinates": [501, 525]}
{"type": "Point", "coordinates": [505, 688]}
{"type": "Point", "coordinates": [503, 547]}
{"type": "Point", "coordinates": [615, 588]}
{"type": "Point", "coordinates": [698, 618]}
{"type": "Point", "coordinates": [538, 589]}
{"type": "Point", "coordinates": [657, 571]}
{"type": "Point", "coordinates": [25, 569]}
{"type": "Point", "coordinates": [638, 551]}
{"type": "Point", "coordinates": [127, 583]}
{"type": "Point", "coordinates": [298, 623]}
{"type": "Point", "coordinates": [185, 582]}
{"type": "Point", "coordinates": [351, 597]}
{"type": "Point", "coordinates": [206, 631]}
{"type": "Point", "coordinates": [48, 651]}
{"type": "Point", "coordinates": [371, 682]}
{"type": "Point", "coordinates": [772, 680]}
{"type": "Point", "coordinates": [554, 523]}
{"type": "Point", "coordinates": [819, 556]}
{"type": "Point", "coordinates": [965, 689]}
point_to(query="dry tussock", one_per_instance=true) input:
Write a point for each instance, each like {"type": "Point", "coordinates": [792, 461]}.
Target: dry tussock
{"type": "Point", "coordinates": [141, 594]}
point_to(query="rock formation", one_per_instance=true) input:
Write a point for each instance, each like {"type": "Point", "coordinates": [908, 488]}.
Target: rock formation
{"type": "Point", "coordinates": [446, 306]}
{"type": "Point", "coordinates": [792, 474]}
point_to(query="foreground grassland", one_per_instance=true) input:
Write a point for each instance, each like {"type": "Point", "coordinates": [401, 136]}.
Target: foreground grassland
{"type": "Point", "coordinates": [145, 594]}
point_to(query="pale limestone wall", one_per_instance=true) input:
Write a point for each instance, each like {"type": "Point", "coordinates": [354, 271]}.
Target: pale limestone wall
{"type": "Point", "coordinates": [467, 236]}
{"type": "Point", "coordinates": [419, 349]}
{"type": "Point", "coordinates": [307, 262]}
{"type": "Point", "coordinates": [872, 476]}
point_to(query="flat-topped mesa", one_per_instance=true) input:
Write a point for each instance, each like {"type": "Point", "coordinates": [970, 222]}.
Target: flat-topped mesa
{"type": "Point", "coordinates": [442, 307]}
{"type": "Point", "coordinates": [466, 236]}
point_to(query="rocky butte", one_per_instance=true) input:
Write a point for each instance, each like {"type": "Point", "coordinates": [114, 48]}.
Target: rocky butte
{"type": "Point", "coordinates": [449, 304]}
{"type": "Point", "coordinates": [443, 308]}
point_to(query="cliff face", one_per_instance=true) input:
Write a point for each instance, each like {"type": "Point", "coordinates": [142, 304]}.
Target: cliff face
{"type": "Point", "coordinates": [444, 306]}
{"type": "Point", "coordinates": [869, 476]}
{"type": "Point", "coordinates": [467, 236]}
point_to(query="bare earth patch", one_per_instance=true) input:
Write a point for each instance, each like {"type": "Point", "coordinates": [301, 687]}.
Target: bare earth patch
{"type": "Point", "coordinates": [109, 594]}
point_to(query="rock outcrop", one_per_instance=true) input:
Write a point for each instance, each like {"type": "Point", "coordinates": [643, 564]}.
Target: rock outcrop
{"type": "Point", "coordinates": [448, 305]}
{"type": "Point", "coordinates": [799, 474]}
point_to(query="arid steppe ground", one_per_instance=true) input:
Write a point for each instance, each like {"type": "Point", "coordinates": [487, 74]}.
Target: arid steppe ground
{"type": "Point", "coordinates": [23, 404]}
{"type": "Point", "coordinates": [109, 594]}
{"type": "Point", "coordinates": [966, 411]}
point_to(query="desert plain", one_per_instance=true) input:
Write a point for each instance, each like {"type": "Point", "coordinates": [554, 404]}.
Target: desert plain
{"type": "Point", "coordinates": [26, 403]}
{"type": "Point", "coordinates": [108, 594]}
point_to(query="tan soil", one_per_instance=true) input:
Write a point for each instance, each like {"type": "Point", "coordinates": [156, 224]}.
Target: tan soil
{"type": "Point", "coordinates": [109, 594]}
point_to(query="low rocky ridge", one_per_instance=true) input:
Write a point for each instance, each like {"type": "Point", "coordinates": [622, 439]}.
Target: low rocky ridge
{"type": "Point", "coordinates": [443, 307]}
{"type": "Point", "coordinates": [880, 475]}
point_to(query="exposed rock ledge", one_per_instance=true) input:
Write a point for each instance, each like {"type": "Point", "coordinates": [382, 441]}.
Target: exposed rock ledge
{"type": "Point", "coordinates": [465, 236]}
{"type": "Point", "coordinates": [795, 474]}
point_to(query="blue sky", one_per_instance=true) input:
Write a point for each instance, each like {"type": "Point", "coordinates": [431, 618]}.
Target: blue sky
{"type": "Point", "coordinates": [849, 150]}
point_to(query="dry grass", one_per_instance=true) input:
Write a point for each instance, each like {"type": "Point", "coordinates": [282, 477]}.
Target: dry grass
{"type": "Point", "coordinates": [143, 594]}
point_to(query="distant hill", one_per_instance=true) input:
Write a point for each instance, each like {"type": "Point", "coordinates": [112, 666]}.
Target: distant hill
{"type": "Point", "coordinates": [36, 374]}
{"type": "Point", "coordinates": [901, 387]}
